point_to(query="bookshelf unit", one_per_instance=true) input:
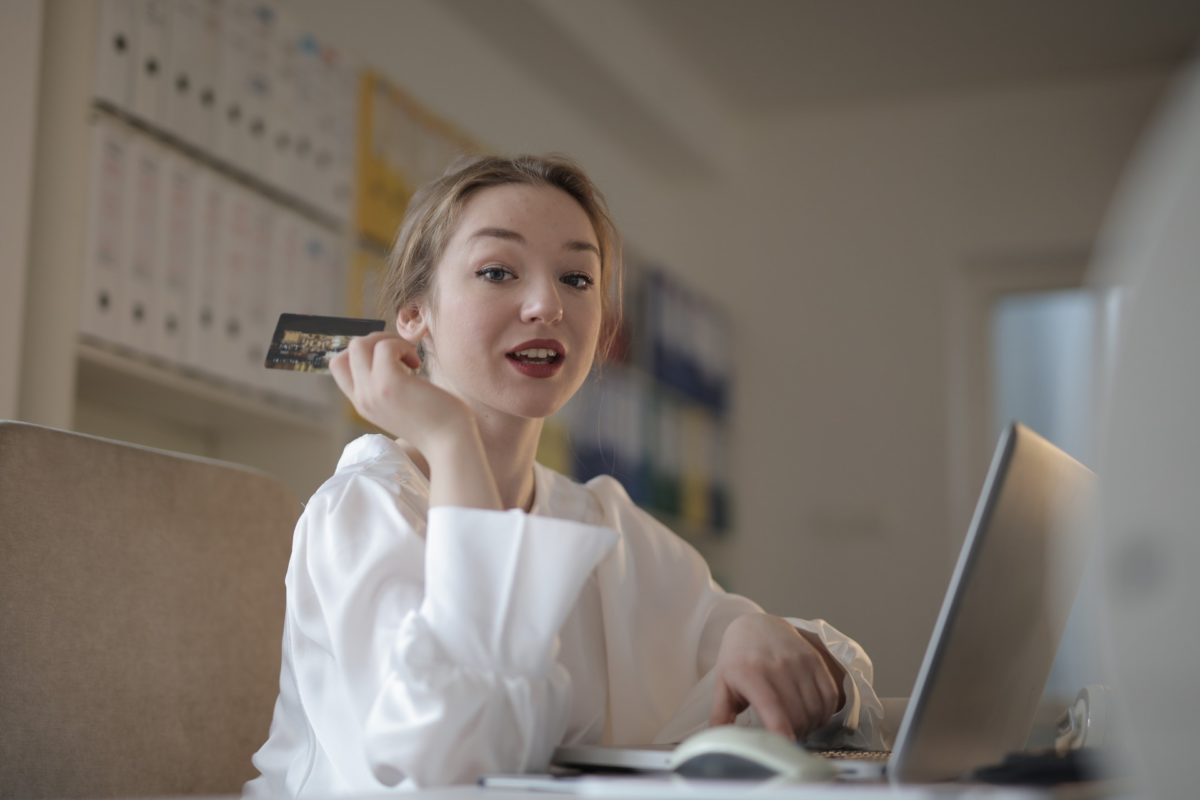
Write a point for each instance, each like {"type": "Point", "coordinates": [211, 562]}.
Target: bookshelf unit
{"type": "Point", "coordinates": [74, 380]}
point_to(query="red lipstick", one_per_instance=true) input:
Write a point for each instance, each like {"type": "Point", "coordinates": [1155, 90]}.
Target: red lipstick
{"type": "Point", "coordinates": [537, 358]}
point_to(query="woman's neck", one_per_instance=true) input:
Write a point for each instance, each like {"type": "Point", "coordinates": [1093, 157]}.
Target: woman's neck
{"type": "Point", "coordinates": [511, 447]}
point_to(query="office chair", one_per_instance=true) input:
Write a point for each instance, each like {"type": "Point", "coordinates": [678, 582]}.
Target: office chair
{"type": "Point", "coordinates": [141, 611]}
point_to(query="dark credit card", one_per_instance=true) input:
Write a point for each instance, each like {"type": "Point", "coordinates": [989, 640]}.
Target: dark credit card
{"type": "Point", "coordinates": [305, 342]}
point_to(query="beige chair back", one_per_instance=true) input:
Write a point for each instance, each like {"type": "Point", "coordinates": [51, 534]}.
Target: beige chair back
{"type": "Point", "coordinates": [141, 610]}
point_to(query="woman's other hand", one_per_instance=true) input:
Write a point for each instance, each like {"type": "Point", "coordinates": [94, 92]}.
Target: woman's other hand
{"type": "Point", "coordinates": [789, 679]}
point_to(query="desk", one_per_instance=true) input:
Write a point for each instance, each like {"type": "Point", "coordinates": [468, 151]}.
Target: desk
{"type": "Point", "coordinates": [795, 792]}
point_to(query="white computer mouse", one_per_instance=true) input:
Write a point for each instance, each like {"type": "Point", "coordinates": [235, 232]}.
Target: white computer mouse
{"type": "Point", "coordinates": [731, 752]}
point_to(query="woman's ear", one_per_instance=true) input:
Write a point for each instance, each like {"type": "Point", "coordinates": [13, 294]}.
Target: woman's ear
{"type": "Point", "coordinates": [412, 322]}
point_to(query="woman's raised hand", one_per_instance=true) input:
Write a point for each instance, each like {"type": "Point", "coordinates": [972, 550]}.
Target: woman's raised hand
{"type": "Point", "coordinates": [791, 681]}
{"type": "Point", "coordinates": [377, 374]}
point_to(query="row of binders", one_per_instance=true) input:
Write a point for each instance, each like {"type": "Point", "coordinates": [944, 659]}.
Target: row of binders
{"type": "Point", "coordinates": [669, 452]}
{"type": "Point", "coordinates": [240, 81]}
{"type": "Point", "coordinates": [688, 340]}
{"type": "Point", "coordinates": [192, 269]}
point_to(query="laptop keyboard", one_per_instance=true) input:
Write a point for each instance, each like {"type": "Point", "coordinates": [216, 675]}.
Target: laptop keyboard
{"type": "Point", "coordinates": [854, 755]}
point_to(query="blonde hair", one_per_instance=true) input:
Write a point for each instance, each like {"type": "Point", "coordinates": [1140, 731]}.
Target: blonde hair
{"type": "Point", "coordinates": [434, 211]}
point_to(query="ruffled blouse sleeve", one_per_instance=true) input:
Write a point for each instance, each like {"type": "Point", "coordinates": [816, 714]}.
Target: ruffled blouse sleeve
{"type": "Point", "coordinates": [425, 660]}
{"type": "Point", "coordinates": [673, 615]}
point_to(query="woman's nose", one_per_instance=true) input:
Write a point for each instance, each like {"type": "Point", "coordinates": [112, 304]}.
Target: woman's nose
{"type": "Point", "coordinates": [543, 304]}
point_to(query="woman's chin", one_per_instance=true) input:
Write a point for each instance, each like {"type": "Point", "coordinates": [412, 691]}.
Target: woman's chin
{"type": "Point", "coordinates": [536, 410]}
{"type": "Point", "coordinates": [535, 407]}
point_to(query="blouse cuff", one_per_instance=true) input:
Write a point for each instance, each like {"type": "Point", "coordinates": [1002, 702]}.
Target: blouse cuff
{"type": "Point", "coordinates": [848, 716]}
{"type": "Point", "coordinates": [500, 584]}
{"type": "Point", "coordinates": [846, 719]}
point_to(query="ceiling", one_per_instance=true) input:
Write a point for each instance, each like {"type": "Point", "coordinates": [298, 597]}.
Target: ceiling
{"type": "Point", "coordinates": [766, 57]}
{"type": "Point", "coordinates": [762, 56]}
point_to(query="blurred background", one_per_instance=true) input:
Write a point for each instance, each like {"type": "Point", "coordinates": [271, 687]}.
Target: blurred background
{"type": "Point", "coordinates": [858, 237]}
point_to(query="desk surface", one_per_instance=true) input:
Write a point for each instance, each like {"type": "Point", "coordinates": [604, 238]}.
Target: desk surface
{"type": "Point", "coordinates": [629, 789]}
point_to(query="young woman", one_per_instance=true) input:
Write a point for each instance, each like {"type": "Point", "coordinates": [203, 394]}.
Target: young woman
{"type": "Point", "coordinates": [454, 608]}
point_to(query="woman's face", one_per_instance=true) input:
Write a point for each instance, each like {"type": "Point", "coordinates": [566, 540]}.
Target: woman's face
{"type": "Point", "coordinates": [513, 318]}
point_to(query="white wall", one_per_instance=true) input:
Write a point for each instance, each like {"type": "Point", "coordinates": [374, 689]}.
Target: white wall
{"type": "Point", "coordinates": [472, 80]}
{"type": "Point", "coordinates": [862, 224]}
{"type": "Point", "coordinates": [20, 49]}
{"type": "Point", "coordinates": [838, 240]}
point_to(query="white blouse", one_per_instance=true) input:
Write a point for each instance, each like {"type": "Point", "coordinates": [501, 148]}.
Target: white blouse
{"type": "Point", "coordinates": [426, 646]}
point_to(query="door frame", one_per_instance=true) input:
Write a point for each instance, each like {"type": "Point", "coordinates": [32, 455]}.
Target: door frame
{"type": "Point", "coordinates": [976, 288]}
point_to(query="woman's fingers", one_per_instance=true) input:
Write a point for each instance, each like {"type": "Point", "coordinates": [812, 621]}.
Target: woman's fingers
{"type": "Point", "coordinates": [754, 689]}
{"type": "Point", "coordinates": [726, 706]}
{"type": "Point", "coordinates": [799, 697]}
{"type": "Point", "coordinates": [394, 351]}
{"type": "Point", "coordinates": [766, 701]}
{"type": "Point", "coordinates": [794, 702]}
{"type": "Point", "coordinates": [361, 353]}
{"type": "Point", "coordinates": [409, 355]}
{"type": "Point", "coordinates": [818, 693]}
{"type": "Point", "coordinates": [766, 663]}
{"type": "Point", "coordinates": [339, 368]}
{"type": "Point", "coordinates": [830, 694]}
{"type": "Point", "coordinates": [367, 372]}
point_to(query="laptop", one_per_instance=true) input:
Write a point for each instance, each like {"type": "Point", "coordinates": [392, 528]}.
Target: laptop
{"type": "Point", "coordinates": [986, 664]}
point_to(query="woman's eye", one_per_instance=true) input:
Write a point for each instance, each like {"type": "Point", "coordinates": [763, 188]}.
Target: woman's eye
{"type": "Point", "coordinates": [494, 273]}
{"type": "Point", "coordinates": [578, 280]}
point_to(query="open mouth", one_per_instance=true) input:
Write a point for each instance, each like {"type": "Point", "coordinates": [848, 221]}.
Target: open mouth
{"type": "Point", "coordinates": [536, 355]}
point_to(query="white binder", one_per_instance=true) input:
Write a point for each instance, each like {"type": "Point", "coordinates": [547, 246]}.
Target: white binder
{"type": "Point", "coordinates": [258, 322]}
{"type": "Point", "coordinates": [230, 120]}
{"type": "Point", "coordinates": [336, 271]}
{"type": "Point", "coordinates": [335, 152]}
{"type": "Point", "coordinates": [141, 311]}
{"type": "Point", "coordinates": [206, 108]}
{"type": "Point", "coordinates": [150, 60]}
{"type": "Point", "coordinates": [233, 265]}
{"type": "Point", "coordinates": [260, 19]}
{"type": "Point", "coordinates": [285, 102]}
{"type": "Point", "coordinates": [184, 20]}
{"type": "Point", "coordinates": [180, 220]}
{"type": "Point", "coordinates": [325, 293]}
{"type": "Point", "coordinates": [104, 268]}
{"type": "Point", "coordinates": [286, 293]}
{"type": "Point", "coordinates": [345, 141]}
{"type": "Point", "coordinates": [202, 337]}
{"type": "Point", "coordinates": [324, 109]}
{"type": "Point", "coordinates": [115, 53]}
{"type": "Point", "coordinates": [308, 76]}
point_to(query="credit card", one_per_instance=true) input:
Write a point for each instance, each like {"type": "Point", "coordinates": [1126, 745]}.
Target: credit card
{"type": "Point", "coordinates": [306, 342]}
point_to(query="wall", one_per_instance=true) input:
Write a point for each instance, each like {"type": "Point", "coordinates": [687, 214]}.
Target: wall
{"type": "Point", "coordinates": [841, 241]}
{"type": "Point", "coordinates": [471, 78]}
{"type": "Point", "coordinates": [866, 222]}
{"type": "Point", "coordinates": [20, 38]}
{"type": "Point", "coordinates": [844, 242]}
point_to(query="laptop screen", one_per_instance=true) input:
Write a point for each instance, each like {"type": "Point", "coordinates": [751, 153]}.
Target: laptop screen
{"type": "Point", "coordinates": [1003, 615]}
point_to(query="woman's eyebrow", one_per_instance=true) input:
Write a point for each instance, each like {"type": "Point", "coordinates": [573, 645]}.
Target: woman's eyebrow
{"type": "Point", "coordinates": [579, 246]}
{"type": "Point", "coordinates": [498, 233]}
{"type": "Point", "coordinates": [574, 245]}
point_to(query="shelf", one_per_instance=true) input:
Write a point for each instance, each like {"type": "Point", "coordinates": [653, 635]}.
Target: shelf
{"type": "Point", "coordinates": [115, 377]}
{"type": "Point", "coordinates": [223, 167]}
